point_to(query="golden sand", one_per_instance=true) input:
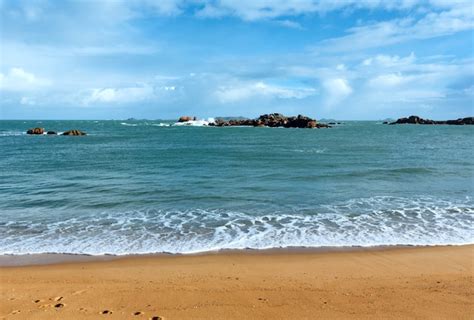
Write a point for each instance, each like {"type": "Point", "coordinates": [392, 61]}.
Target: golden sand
{"type": "Point", "coordinates": [414, 283]}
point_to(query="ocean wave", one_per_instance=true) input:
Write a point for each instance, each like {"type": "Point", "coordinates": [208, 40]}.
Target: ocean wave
{"type": "Point", "coordinates": [309, 150]}
{"type": "Point", "coordinates": [11, 133]}
{"type": "Point", "coordinates": [161, 124]}
{"type": "Point", "coordinates": [195, 123]}
{"type": "Point", "coordinates": [372, 221]}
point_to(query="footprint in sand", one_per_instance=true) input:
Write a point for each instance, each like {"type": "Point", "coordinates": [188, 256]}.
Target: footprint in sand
{"type": "Point", "coordinates": [15, 312]}
{"type": "Point", "coordinates": [156, 318]}
{"type": "Point", "coordinates": [59, 305]}
{"type": "Point", "coordinates": [58, 299]}
{"type": "Point", "coordinates": [138, 313]}
{"type": "Point", "coordinates": [106, 312]}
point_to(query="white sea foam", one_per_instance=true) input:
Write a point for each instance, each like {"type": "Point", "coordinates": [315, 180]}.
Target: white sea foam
{"type": "Point", "coordinates": [161, 124]}
{"type": "Point", "coordinates": [128, 124]}
{"type": "Point", "coordinates": [358, 222]}
{"type": "Point", "coordinates": [11, 133]}
{"type": "Point", "coordinates": [195, 123]}
{"type": "Point", "coordinates": [309, 150]}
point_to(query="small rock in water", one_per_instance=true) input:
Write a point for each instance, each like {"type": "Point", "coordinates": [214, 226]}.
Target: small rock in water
{"type": "Point", "coordinates": [35, 131]}
{"type": "Point", "coordinates": [74, 133]}
{"type": "Point", "coordinates": [186, 118]}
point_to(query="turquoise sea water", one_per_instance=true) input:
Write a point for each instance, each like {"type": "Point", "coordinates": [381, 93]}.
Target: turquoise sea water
{"type": "Point", "coordinates": [139, 187]}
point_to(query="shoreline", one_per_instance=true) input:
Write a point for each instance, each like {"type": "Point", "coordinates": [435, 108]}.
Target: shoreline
{"type": "Point", "coordinates": [52, 258]}
{"type": "Point", "coordinates": [393, 283]}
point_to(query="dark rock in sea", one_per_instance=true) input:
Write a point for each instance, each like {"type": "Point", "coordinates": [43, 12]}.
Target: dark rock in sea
{"type": "Point", "coordinates": [186, 118]}
{"type": "Point", "coordinates": [35, 131]}
{"type": "Point", "coordinates": [323, 125]}
{"type": "Point", "coordinates": [461, 121]}
{"type": "Point", "coordinates": [301, 121]}
{"type": "Point", "coordinates": [312, 124]}
{"type": "Point", "coordinates": [272, 120]}
{"type": "Point", "coordinates": [51, 132]}
{"type": "Point", "coordinates": [74, 133]}
{"type": "Point", "coordinates": [418, 120]}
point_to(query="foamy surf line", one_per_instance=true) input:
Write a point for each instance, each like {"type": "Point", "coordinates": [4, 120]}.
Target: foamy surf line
{"type": "Point", "coordinates": [12, 133]}
{"type": "Point", "coordinates": [366, 222]}
{"type": "Point", "coordinates": [13, 260]}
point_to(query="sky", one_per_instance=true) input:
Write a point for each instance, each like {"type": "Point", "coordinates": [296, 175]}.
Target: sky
{"type": "Point", "coordinates": [346, 59]}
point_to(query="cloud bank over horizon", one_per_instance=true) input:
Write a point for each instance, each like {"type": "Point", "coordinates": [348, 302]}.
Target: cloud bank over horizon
{"type": "Point", "coordinates": [349, 59]}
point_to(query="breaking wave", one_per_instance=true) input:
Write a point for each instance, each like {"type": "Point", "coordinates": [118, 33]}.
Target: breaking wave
{"type": "Point", "coordinates": [359, 222]}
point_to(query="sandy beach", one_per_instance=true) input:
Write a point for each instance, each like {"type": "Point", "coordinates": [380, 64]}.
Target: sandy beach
{"type": "Point", "coordinates": [394, 283]}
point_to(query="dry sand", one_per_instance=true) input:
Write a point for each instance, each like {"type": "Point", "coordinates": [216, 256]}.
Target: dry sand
{"type": "Point", "coordinates": [421, 283]}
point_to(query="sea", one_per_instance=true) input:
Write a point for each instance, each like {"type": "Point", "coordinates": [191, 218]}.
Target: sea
{"type": "Point", "coordinates": [143, 186]}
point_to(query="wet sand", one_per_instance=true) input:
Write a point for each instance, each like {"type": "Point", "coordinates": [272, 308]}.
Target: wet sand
{"type": "Point", "coordinates": [415, 283]}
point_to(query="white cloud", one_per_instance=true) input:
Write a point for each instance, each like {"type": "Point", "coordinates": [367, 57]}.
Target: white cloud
{"type": "Point", "coordinates": [116, 11]}
{"type": "Point", "coordinates": [27, 101]}
{"type": "Point", "coordinates": [108, 50]}
{"type": "Point", "coordinates": [387, 80]}
{"type": "Point", "coordinates": [245, 91]}
{"type": "Point", "coordinates": [17, 79]}
{"type": "Point", "coordinates": [469, 91]}
{"type": "Point", "coordinates": [143, 92]}
{"type": "Point", "coordinates": [255, 10]}
{"type": "Point", "coordinates": [163, 7]}
{"type": "Point", "coordinates": [456, 17]}
{"type": "Point", "coordinates": [289, 24]}
{"type": "Point", "coordinates": [389, 61]}
{"type": "Point", "coordinates": [252, 10]}
{"type": "Point", "coordinates": [337, 89]}
{"type": "Point", "coordinates": [119, 95]}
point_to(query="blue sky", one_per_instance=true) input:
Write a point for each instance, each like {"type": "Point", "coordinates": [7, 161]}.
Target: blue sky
{"type": "Point", "coordinates": [114, 59]}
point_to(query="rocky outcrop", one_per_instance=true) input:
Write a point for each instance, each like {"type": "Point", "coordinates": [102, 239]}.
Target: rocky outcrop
{"type": "Point", "coordinates": [35, 131]}
{"type": "Point", "coordinates": [461, 121]}
{"type": "Point", "coordinates": [41, 131]}
{"type": "Point", "coordinates": [186, 118]}
{"type": "Point", "coordinates": [414, 120]}
{"type": "Point", "coordinates": [74, 133]}
{"type": "Point", "coordinates": [272, 120]}
{"type": "Point", "coordinates": [418, 120]}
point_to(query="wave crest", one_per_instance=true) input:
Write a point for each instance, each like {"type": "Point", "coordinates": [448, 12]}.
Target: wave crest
{"type": "Point", "coordinates": [359, 222]}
